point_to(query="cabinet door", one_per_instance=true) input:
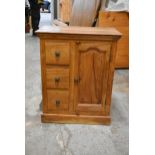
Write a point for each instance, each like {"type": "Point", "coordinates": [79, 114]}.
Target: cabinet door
{"type": "Point", "coordinates": [91, 74]}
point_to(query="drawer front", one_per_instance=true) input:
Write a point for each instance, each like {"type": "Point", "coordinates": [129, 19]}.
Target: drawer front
{"type": "Point", "coordinates": [57, 77]}
{"type": "Point", "coordinates": [57, 100]}
{"type": "Point", "coordinates": [57, 53]}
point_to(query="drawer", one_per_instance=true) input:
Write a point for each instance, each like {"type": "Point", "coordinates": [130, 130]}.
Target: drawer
{"type": "Point", "coordinates": [57, 53]}
{"type": "Point", "coordinates": [57, 77]}
{"type": "Point", "coordinates": [57, 100]}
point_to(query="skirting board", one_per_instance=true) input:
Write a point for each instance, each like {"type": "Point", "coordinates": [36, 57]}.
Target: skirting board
{"type": "Point", "coordinates": [75, 119]}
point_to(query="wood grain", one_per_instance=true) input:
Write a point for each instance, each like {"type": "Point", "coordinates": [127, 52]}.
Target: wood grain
{"type": "Point", "coordinates": [65, 7]}
{"type": "Point", "coordinates": [92, 65]}
{"type": "Point", "coordinates": [75, 30]}
{"type": "Point", "coordinates": [57, 22]}
{"type": "Point", "coordinates": [83, 12]}
{"type": "Point", "coordinates": [72, 119]}
{"type": "Point", "coordinates": [111, 76]}
{"type": "Point", "coordinates": [119, 20]}
{"type": "Point", "coordinates": [57, 78]}
{"type": "Point", "coordinates": [62, 48]}
{"type": "Point", "coordinates": [57, 95]}
{"type": "Point", "coordinates": [85, 73]}
{"type": "Point", "coordinates": [43, 75]}
{"type": "Point", "coordinates": [79, 13]}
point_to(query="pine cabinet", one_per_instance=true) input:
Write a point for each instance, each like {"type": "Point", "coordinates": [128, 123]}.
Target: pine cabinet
{"type": "Point", "coordinates": [77, 67]}
{"type": "Point", "coordinates": [120, 20]}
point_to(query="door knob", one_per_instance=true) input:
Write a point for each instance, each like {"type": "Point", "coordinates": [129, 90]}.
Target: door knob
{"type": "Point", "coordinates": [57, 54]}
{"type": "Point", "coordinates": [77, 80]}
{"type": "Point", "coordinates": [57, 102]}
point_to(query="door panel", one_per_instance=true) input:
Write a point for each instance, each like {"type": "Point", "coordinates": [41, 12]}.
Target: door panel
{"type": "Point", "coordinates": [92, 63]}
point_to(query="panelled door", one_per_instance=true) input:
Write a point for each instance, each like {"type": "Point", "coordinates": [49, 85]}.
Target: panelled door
{"type": "Point", "coordinates": [91, 75]}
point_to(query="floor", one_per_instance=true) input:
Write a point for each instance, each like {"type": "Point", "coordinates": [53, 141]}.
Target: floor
{"type": "Point", "coordinates": [66, 139]}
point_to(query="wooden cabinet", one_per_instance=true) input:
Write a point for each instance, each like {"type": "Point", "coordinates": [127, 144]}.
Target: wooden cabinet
{"type": "Point", "coordinates": [119, 20]}
{"type": "Point", "coordinates": [77, 67]}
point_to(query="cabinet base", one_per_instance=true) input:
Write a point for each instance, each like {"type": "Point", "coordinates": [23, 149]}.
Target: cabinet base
{"type": "Point", "coordinates": [75, 119]}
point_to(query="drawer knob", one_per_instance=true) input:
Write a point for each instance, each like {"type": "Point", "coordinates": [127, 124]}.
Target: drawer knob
{"type": "Point", "coordinates": [57, 54]}
{"type": "Point", "coordinates": [57, 79]}
{"type": "Point", "coordinates": [57, 102]}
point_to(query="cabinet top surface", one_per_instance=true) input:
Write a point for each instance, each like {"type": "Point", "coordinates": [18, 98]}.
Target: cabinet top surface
{"type": "Point", "coordinates": [79, 30]}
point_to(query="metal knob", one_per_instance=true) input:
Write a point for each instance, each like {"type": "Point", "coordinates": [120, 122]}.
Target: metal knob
{"type": "Point", "coordinates": [77, 80]}
{"type": "Point", "coordinates": [57, 79]}
{"type": "Point", "coordinates": [57, 102]}
{"type": "Point", "coordinates": [57, 54]}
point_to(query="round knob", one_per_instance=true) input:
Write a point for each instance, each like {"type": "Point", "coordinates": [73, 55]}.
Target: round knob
{"type": "Point", "coordinates": [77, 80]}
{"type": "Point", "coordinates": [57, 102]}
{"type": "Point", "coordinates": [57, 79]}
{"type": "Point", "coordinates": [57, 54]}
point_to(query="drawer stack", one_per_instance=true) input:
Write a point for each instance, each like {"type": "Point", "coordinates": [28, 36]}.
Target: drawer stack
{"type": "Point", "coordinates": [57, 75]}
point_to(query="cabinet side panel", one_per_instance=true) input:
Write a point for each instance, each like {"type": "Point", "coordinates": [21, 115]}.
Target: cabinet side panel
{"type": "Point", "coordinates": [110, 76]}
{"type": "Point", "coordinates": [43, 74]}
